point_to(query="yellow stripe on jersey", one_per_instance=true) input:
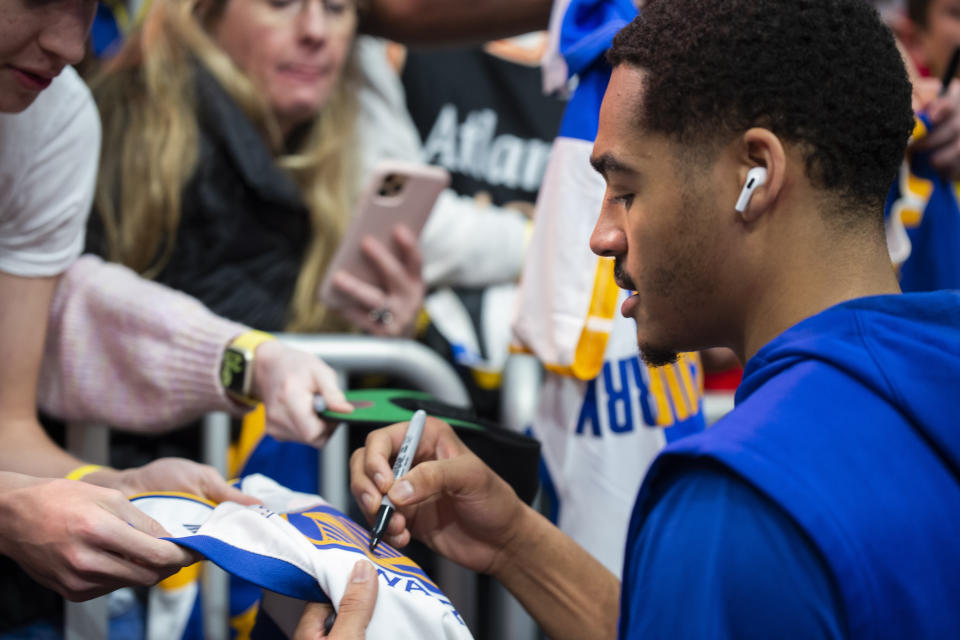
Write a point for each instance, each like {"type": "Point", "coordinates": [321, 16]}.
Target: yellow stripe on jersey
{"type": "Point", "coordinates": [182, 578]}
{"type": "Point", "coordinates": [588, 358]}
{"type": "Point", "coordinates": [657, 388]}
{"type": "Point", "coordinates": [694, 390]}
{"type": "Point", "coordinates": [915, 191]}
{"type": "Point", "coordinates": [252, 430]}
{"type": "Point", "coordinates": [919, 130]}
{"type": "Point", "coordinates": [485, 379]}
{"type": "Point", "coordinates": [680, 408]}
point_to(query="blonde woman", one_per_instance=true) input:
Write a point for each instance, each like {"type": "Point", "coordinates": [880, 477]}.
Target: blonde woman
{"type": "Point", "coordinates": [228, 162]}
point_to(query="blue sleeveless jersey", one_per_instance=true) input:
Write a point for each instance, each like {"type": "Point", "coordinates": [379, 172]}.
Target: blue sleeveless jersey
{"type": "Point", "coordinates": [848, 422]}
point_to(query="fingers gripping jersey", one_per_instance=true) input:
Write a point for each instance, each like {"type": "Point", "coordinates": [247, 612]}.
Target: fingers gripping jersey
{"type": "Point", "coordinates": [299, 546]}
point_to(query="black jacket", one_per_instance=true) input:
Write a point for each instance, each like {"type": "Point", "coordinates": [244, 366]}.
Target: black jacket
{"type": "Point", "coordinates": [244, 226]}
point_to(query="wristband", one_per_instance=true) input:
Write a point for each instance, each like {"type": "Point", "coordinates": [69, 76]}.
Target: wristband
{"type": "Point", "coordinates": [236, 369]}
{"type": "Point", "coordinates": [82, 471]}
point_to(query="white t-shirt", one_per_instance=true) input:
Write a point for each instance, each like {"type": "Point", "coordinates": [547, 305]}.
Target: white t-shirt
{"type": "Point", "coordinates": [48, 166]}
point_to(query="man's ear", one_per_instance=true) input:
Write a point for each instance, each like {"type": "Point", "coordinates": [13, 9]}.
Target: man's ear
{"type": "Point", "coordinates": [761, 170]}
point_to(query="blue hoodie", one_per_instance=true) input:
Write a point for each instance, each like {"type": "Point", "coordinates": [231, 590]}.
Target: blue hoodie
{"type": "Point", "coordinates": [845, 445]}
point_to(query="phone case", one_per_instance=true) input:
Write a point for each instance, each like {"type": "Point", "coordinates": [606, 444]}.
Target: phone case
{"type": "Point", "coordinates": [397, 193]}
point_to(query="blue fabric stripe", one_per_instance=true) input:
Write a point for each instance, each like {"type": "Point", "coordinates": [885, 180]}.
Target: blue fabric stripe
{"type": "Point", "coordinates": [583, 111]}
{"type": "Point", "coordinates": [270, 573]}
{"type": "Point", "coordinates": [588, 29]}
{"type": "Point", "coordinates": [586, 34]}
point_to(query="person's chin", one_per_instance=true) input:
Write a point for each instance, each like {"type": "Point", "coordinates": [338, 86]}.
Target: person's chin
{"type": "Point", "coordinates": [657, 356]}
{"type": "Point", "coordinates": [653, 353]}
{"type": "Point", "coordinates": [15, 100]}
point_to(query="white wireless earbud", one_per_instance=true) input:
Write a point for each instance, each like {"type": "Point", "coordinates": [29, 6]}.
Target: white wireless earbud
{"type": "Point", "coordinates": [755, 177]}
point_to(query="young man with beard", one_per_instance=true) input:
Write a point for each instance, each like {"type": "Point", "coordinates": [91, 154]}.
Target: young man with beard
{"type": "Point", "coordinates": [825, 504]}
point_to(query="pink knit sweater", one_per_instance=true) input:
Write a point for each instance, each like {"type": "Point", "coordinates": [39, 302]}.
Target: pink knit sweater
{"type": "Point", "coordinates": [131, 353]}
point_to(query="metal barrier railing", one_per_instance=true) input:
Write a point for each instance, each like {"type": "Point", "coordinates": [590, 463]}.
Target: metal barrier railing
{"type": "Point", "coordinates": [410, 361]}
{"type": "Point", "coordinates": [520, 386]}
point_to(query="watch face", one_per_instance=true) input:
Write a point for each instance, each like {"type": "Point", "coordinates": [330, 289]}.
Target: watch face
{"type": "Point", "coordinates": [233, 371]}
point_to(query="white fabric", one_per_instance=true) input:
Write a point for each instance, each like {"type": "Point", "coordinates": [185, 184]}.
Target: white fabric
{"type": "Point", "coordinates": [297, 545]}
{"type": "Point", "coordinates": [471, 245]}
{"type": "Point", "coordinates": [452, 320]}
{"type": "Point", "coordinates": [596, 478]}
{"type": "Point", "coordinates": [557, 281]}
{"type": "Point", "coordinates": [463, 243]}
{"type": "Point", "coordinates": [898, 242]}
{"type": "Point", "coordinates": [168, 610]}
{"type": "Point", "coordinates": [48, 165]}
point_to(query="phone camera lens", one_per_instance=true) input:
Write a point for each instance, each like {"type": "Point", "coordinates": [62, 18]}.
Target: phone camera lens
{"type": "Point", "coordinates": [392, 185]}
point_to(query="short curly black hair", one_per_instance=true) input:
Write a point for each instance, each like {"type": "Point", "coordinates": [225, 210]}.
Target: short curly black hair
{"type": "Point", "coordinates": [822, 74]}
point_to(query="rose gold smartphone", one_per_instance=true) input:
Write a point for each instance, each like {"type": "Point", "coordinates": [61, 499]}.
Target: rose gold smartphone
{"type": "Point", "coordinates": [397, 193]}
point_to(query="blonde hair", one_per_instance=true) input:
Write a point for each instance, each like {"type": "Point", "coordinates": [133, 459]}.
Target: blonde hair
{"type": "Point", "coordinates": [147, 104]}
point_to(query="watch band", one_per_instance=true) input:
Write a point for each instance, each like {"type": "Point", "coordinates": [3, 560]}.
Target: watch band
{"type": "Point", "coordinates": [236, 369]}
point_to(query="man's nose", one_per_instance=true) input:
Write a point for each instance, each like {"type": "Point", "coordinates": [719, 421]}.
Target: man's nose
{"type": "Point", "coordinates": [608, 237]}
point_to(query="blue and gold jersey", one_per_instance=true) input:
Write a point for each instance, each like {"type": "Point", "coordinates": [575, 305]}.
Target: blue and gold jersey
{"type": "Point", "coordinates": [923, 223]}
{"type": "Point", "coordinates": [298, 546]}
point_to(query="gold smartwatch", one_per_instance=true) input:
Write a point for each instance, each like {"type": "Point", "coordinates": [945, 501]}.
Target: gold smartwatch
{"type": "Point", "coordinates": [236, 368]}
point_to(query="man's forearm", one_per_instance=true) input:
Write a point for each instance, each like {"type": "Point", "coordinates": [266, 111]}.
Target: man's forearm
{"type": "Point", "coordinates": [25, 448]}
{"type": "Point", "coordinates": [566, 590]}
{"type": "Point", "coordinates": [455, 21]}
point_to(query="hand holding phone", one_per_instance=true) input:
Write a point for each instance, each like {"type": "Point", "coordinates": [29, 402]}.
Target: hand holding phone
{"type": "Point", "coordinates": [374, 278]}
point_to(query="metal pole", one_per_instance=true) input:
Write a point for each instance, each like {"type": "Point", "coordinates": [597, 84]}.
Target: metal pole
{"type": "Point", "coordinates": [88, 620]}
{"type": "Point", "coordinates": [335, 466]}
{"type": "Point", "coordinates": [522, 377]}
{"type": "Point", "coordinates": [216, 582]}
{"type": "Point", "coordinates": [519, 389]}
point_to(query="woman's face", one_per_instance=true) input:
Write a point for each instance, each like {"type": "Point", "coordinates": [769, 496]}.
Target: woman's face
{"type": "Point", "coordinates": [934, 43]}
{"type": "Point", "coordinates": [293, 50]}
{"type": "Point", "coordinates": [38, 38]}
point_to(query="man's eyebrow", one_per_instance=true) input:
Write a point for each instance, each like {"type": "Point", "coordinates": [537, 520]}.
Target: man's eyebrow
{"type": "Point", "coordinates": [607, 163]}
